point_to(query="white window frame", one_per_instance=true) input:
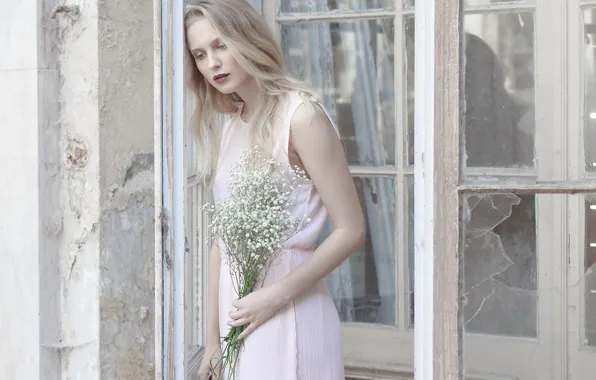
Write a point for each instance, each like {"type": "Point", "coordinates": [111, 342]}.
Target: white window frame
{"type": "Point", "coordinates": [581, 357]}
{"type": "Point", "coordinates": [170, 202]}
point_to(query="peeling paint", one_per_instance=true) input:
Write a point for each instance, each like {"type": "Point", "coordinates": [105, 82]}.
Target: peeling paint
{"type": "Point", "coordinates": [106, 222]}
{"type": "Point", "coordinates": [76, 154]}
{"type": "Point", "coordinates": [140, 163]}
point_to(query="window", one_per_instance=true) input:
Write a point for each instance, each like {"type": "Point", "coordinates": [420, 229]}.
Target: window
{"type": "Point", "coordinates": [196, 275]}
{"type": "Point", "coordinates": [528, 247]}
{"type": "Point", "coordinates": [358, 55]}
{"type": "Point", "coordinates": [527, 285]}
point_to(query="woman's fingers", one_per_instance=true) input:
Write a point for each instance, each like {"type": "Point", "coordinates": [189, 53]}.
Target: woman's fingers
{"type": "Point", "coordinates": [248, 330]}
{"type": "Point", "coordinates": [239, 322]}
{"type": "Point", "coordinates": [235, 314]}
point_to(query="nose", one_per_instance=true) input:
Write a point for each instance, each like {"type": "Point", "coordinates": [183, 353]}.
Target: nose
{"type": "Point", "coordinates": [213, 61]}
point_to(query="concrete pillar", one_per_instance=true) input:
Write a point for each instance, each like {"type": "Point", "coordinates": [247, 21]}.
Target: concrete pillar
{"type": "Point", "coordinates": [76, 178]}
{"type": "Point", "coordinates": [19, 201]}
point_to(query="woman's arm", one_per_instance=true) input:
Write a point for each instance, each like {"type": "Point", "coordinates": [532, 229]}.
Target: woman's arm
{"type": "Point", "coordinates": [320, 150]}
{"type": "Point", "coordinates": [211, 363]}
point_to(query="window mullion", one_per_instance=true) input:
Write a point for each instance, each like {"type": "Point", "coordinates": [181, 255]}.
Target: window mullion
{"type": "Point", "coordinates": [437, 116]}
{"type": "Point", "coordinates": [401, 270]}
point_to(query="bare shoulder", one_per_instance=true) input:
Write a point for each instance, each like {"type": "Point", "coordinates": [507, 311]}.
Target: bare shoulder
{"type": "Point", "coordinates": [309, 116]}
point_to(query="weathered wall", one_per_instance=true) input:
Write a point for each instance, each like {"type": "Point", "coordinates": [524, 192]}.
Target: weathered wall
{"type": "Point", "coordinates": [107, 135]}
{"type": "Point", "coordinates": [79, 192]}
{"type": "Point", "coordinates": [126, 191]}
{"type": "Point", "coordinates": [50, 210]}
{"type": "Point", "coordinates": [76, 173]}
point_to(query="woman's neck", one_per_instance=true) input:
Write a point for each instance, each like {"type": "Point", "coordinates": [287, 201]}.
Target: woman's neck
{"type": "Point", "coordinates": [252, 97]}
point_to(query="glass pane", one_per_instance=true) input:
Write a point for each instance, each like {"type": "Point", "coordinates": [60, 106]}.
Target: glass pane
{"type": "Point", "coordinates": [363, 287]}
{"type": "Point", "coordinates": [499, 265]}
{"type": "Point", "coordinates": [410, 220]}
{"type": "Point", "coordinates": [350, 64]}
{"type": "Point", "coordinates": [499, 85]}
{"type": "Point", "coordinates": [471, 3]}
{"type": "Point", "coordinates": [257, 4]}
{"type": "Point", "coordinates": [193, 270]}
{"type": "Point", "coordinates": [410, 95]}
{"type": "Point", "coordinates": [333, 5]}
{"type": "Point", "coordinates": [590, 88]}
{"type": "Point", "coordinates": [590, 272]}
{"type": "Point", "coordinates": [191, 145]}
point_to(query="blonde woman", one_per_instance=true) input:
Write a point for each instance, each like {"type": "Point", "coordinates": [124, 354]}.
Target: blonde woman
{"type": "Point", "coordinates": [292, 328]}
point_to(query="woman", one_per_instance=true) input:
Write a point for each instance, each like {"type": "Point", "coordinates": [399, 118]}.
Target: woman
{"type": "Point", "coordinates": [292, 329]}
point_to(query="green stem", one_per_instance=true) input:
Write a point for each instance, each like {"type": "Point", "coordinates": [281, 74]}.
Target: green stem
{"type": "Point", "coordinates": [233, 345]}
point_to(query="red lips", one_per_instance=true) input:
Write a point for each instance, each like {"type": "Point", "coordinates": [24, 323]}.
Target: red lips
{"type": "Point", "coordinates": [220, 78]}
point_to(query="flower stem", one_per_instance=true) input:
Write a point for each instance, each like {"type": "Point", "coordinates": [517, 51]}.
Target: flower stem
{"type": "Point", "coordinates": [232, 344]}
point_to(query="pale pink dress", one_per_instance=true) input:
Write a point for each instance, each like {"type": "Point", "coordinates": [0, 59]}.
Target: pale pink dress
{"type": "Point", "coordinates": [303, 340]}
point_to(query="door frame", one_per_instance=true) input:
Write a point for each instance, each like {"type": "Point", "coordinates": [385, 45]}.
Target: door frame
{"type": "Point", "coordinates": [437, 178]}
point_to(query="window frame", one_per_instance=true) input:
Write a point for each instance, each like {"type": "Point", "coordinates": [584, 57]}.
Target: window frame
{"type": "Point", "coordinates": [370, 355]}
{"type": "Point", "coordinates": [581, 356]}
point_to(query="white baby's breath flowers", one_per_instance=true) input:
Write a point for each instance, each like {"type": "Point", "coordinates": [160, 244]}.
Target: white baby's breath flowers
{"type": "Point", "coordinates": [255, 220]}
{"type": "Point", "coordinates": [253, 223]}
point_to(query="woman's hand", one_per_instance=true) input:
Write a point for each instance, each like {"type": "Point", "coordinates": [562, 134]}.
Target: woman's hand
{"type": "Point", "coordinates": [255, 309]}
{"type": "Point", "coordinates": [210, 368]}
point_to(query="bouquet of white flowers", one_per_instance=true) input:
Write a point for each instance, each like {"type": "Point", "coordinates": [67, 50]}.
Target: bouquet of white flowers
{"type": "Point", "coordinates": [253, 223]}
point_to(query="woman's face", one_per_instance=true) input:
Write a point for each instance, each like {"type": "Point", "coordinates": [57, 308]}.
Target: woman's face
{"type": "Point", "coordinates": [213, 58]}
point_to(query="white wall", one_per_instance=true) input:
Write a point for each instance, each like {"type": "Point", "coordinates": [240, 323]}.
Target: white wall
{"type": "Point", "coordinates": [19, 223]}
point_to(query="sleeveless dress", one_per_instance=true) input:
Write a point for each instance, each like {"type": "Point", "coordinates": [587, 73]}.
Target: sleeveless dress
{"type": "Point", "coordinates": [302, 341]}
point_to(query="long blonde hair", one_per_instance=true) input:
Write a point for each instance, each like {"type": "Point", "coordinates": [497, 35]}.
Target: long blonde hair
{"type": "Point", "coordinates": [251, 43]}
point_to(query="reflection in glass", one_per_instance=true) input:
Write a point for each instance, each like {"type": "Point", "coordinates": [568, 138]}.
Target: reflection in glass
{"type": "Point", "coordinates": [287, 6]}
{"type": "Point", "coordinates": [499, 265]}
{"type": "Point", "coordinates": [351, 66]}
{"type": "Point", "coordinates": [363, 287]}
{"type": "Point", "coordinates": [499, 90]}
{"type": "Point", "coordinates": [590, 272]}
{"type": "Point", "coordinates": [590, 88]}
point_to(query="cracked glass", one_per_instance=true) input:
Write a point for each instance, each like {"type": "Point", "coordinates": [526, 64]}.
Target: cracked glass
{"type": "Point", "coordinates": [499, 265]}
